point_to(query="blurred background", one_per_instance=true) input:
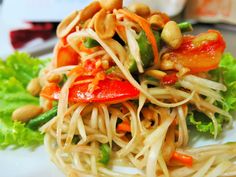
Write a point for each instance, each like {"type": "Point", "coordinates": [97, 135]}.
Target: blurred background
{"type": "Point", "coordinates": [29, 25]}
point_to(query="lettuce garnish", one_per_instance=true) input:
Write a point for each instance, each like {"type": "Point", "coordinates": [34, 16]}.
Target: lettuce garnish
{"type": "Point", "coordinates": [20, 68]}
{"type": "Point", "coordinates": [226, 73]}
{"type": "Point", "coordinates": [15, 73]}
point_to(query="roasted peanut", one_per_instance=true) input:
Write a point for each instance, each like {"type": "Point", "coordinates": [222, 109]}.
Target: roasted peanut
{"type": "Point", "coordinates": [140, 9]}
{"type": "Point", "coordinates": [156, 21]}
{"type": "Point", "coordinates": [155, 73]}
{"type": "Point", "coordinates": [68, 24]}
{"type": "Point", "coordinates": [105, 24]}
{"type": "Point", "coordinates": [166, 62]}
{"type": "Point", "coordinates": [25, 113]}
{"type": "Point", "coordinates": [34, 87]}
{"type": "Point", "coordinates": [172, 35]}
{"type": "Point", "coordinates": [111, 4]}
{"type": "Point", "coordinates": [89, 11]}
{"type": "Point", "coordinates": [54, 78]}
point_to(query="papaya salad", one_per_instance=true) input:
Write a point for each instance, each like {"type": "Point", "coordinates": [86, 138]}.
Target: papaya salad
{"type": "Point", "coordinates": [124, 88]}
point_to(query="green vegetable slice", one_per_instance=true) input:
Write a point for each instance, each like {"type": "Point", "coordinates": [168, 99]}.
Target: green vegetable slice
{"type": "Point", "coordinates": [37, 122]}
{"type": "Point", "coordinates": [146, 52]}
{"type": "Point", "coordinates": [185, 27]}
{"type": "Point", "coordinates": [90, 43]}
{"type": "Point", "coordinates": [105, 154]}
{"type": "Point", "coordinates": [146, 48]}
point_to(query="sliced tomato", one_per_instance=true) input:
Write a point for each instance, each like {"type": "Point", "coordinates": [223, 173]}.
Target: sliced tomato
{"type": "Point", "coordinates": [66, 55]}
{"type": "Point", "coordinates": [200, 53]}
{"type": "Point", "coordinates": [108, 91]}
{"type": "Point", "coordinates": [51, 92]}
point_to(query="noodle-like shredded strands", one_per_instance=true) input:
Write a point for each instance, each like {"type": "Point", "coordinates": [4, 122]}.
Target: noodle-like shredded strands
{"type": "Point", "coordinates": [156, 121]}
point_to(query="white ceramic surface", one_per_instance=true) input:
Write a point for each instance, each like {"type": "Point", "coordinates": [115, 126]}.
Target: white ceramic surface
{"type": "Point", "coordinates": [26, 163]}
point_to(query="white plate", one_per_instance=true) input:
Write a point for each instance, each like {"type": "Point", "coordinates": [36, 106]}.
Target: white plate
{"type": "Point", "coordinates": [26, 163]}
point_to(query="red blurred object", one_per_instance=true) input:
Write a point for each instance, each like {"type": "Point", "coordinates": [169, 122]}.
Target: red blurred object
{"type": "Point", "coordinates": [20, 37]}
{"type": "Point", "coordinates": [169, 79]}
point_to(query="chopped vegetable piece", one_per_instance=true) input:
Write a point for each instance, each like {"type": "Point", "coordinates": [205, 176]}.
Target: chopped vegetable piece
{"type": "Point", "coordinates": [105, 154]}
{"type": "Point", "coordinates": [66, 56]}
{"type": "Point", "coordinates": [146, 48]}
{"type": "Point", "coordinates": [200, 53]}
{"type": "Point", "coordinates": [182, 158]}
{"type": "Point", "coordinates": [185, 27]}
{"type": "Point", "coordinates": [145, 52]}
{"type": "Point", "coordinates": [147, 28]}
{"type": "Point", "coordinates": [169, 79]}
{"type": "Point", "coordinates": [90, 43]}
{"type": "Point", "coordinates": [124, 127]}
{"type": "Point", "coordinates": [37, 122]}
{"type": "Point", "coordinates": [51, 91]}
{"type": "Point", "coordinates": [76, 139]}
{"type": "Point", "coordinates": [130, 64]}
{"type": "Point", "coordinates": [108, 90]}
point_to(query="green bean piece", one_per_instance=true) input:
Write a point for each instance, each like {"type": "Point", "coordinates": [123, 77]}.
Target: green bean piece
{"type": "Point", "coordinates": [90, 43]}
{"type": "Point", "coordinates": [185, 27]}
{"type": "Point", "coordinates": [145, 47]}
{"type": "Point", "coordinates": [130, 63]}
{"type": "Point", "coordinates": [146, 52]}
{"type": "Point", "coordinates": [105, 154]}
{"type": "Point", "coordinates": [40, 120]}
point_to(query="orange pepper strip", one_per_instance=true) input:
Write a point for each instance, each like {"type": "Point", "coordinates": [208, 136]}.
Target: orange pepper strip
{"type": "Point", "coordinates": [146, 27]}
{"type": "Point", "coordinates": [124, 127]}
{"type": "Point", "coordinates": [182, 158]}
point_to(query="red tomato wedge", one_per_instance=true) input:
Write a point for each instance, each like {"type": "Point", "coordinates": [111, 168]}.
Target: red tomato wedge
{"type": "Point", "coordinates": [200, 53]}
{"type": "Point", "coordinates": [66, 55]}
{"type": "Point", "coordinates": [108, 91]}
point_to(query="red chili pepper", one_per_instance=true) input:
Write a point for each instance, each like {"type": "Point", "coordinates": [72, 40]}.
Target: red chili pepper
{"type": "Point", "coordinates": [169, 79]}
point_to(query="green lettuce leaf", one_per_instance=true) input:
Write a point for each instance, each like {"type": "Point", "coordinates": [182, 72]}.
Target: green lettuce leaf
{"type": "Point", "coordinates": [15, 73]}
{"type": "Point", "coordinates": [203, 123]}
{"type": "Point", "coordinates": [21, 66]}
{"type": "Point", "coordinates": [226, 73]}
